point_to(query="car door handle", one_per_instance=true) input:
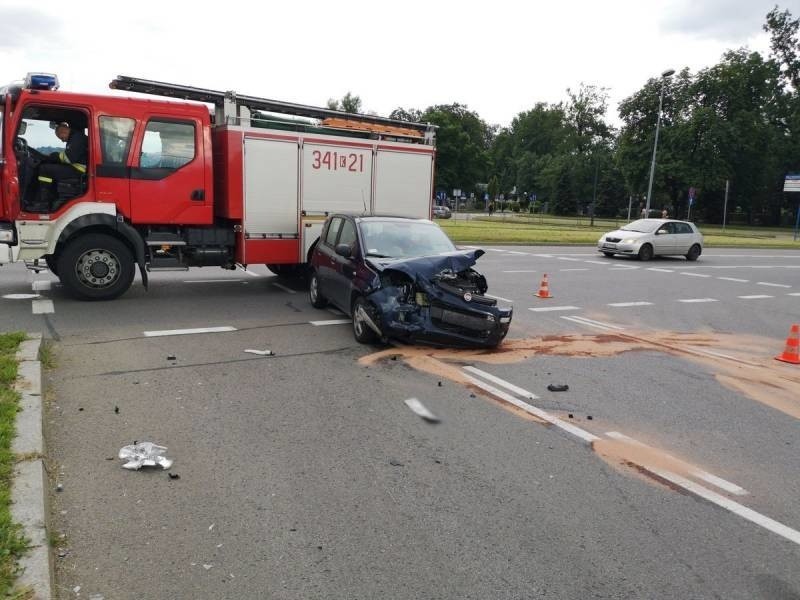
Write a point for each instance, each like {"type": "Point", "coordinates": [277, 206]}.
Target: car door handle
{"type": "Point", "coordinates": [199, 195]}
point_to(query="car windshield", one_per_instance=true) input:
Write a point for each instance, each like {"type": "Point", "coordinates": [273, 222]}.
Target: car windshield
{"type": "Point", "coordinates": [403, 239]}
{"type": "Point", "coordinates": [642, 226]}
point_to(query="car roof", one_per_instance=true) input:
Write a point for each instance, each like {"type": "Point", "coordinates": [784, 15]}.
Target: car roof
{"type": "Point", "coordinates": [665, 221]}
{"type": "Point", "coordinates": [367, 218]}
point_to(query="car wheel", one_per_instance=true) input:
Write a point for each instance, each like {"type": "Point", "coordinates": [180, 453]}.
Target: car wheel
{"type": "Point", "coordinates": [362, 313]}
{"type": "Point", "coordinates": [314, 293]}
{"type": "Point", "coordinates": [608, 254]}
{"type": "Point", "coordinates": [694, 252]}
{"type": "Point", "coordinates": [96, 266]}
{"type": "Point", "coordinates": [646, 252]}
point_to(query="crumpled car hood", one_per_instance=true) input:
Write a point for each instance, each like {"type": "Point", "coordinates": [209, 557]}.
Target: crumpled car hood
{"type": "Point", "coordinates": [429, 266]}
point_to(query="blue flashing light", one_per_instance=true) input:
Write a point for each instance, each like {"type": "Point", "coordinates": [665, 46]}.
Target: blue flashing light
{"type": "Point", "coordinates": [41, 81]}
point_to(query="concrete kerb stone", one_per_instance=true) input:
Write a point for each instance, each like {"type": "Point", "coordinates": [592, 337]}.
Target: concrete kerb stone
{"type": "Point", "coordinates": [28, 499]}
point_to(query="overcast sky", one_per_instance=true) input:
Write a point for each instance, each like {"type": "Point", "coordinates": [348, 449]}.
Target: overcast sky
{"type": "Point", "coordinates": [498, 57]}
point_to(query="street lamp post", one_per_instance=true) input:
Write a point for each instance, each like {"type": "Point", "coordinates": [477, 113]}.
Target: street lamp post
{"type": "Point", "coordinates": [664, 76]}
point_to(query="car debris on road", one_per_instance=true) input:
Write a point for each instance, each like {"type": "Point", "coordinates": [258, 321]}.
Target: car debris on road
{"type": "Point", "coordinates": [421, 410]}
{"type": "Point", "coordinates": [144, 454]}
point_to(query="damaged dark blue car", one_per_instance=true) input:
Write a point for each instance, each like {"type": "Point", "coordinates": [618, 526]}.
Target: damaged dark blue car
{"type": "Point", "coordinates": [403, 278]}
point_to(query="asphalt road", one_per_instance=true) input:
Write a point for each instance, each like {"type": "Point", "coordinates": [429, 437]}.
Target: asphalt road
{"type": "Point", "coordinates": [304, 474]}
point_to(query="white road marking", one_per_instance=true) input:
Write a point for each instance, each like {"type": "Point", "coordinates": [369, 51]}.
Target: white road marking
{"type": "Point", "coordinates": [499, 298]}
{"type": "Point", "coordinates": [695, 274]}
{"type": "Point", "coordinates": [212, 280]}
{"type": "Point", "coordinates": [330, 322]}
{"type": "Point", "coordinates": [592, 323]}
{"type": "Point", "coordinates": [736, 279]}
{"type": "Point", "coordinates": [569, 259]}
{"type": "Point", "coordinates": [260, 352]}
{"type": "Point", "coordinates": [471, 247]}
{"type": "Point", "coordinates": [42, 307]}
{"type": "Point", "coordinates": [519, 271]}
{"type": "Point", "coordinates": [738, 509]}
{"type": "Point", "coordinates": [21, 296]}
{"type": "Point", "coordinates": [41, 286]}
{"type": "Point", "coordinates": [166, 332]}
{"type": "Point", "coordinates": [280, 286]}
{"type": "Point", "coordinates": [793, 294]}
{"type": "Point", "coordinates": [623, 268]}
{"type": "Point", "coordinates": [554, 308]}
{"type": "Point", "coordinates": [755, 297]}
{"type": "Point", "coordinates": [421, 410]}
{"type": "Point", "coordinates": [502, 383]}
{"type": "Point", "coordinates": [566, 270]}
{"type": "Point", "coordinates": [719, 482]}
{"type": "Point", "coordinates": [544, 255]}
{"type": "Point", "coordinates": [596, 262]}
{"type": "Point", "coordinates": [581, 434]}
{"type": "Point", "coordinates": [698, 300]}
{"type": "Point", "coordinates": [496, 249]}
{"type": "Point", "coordinates": [626, 304]}
{"type": "Point", "coordinates": [780, 285]}
{"type": "Point", "coordinates": [515, 252]}
{"type": "Point", "coordinates": [656, 269]}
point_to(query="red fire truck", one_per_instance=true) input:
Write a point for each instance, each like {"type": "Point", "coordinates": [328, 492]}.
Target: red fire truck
{"type": "Point", "coordinates": [173, 184]}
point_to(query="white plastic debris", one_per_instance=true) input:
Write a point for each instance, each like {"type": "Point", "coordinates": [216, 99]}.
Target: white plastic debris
{"type": "Point", "coordinates": [144, 454]}
{"type": "Point", "coordinates": [208, 567]}
{"type": "Point", "coordinates": [421, 410]}
{"type": "Point", "coordinates": [260, 352]}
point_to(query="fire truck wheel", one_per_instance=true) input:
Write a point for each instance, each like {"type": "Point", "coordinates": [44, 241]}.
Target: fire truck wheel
{"type": "Point", "coordinates": [51, 261]}
{"type": "Point", "coordinates": [96, 266]}
{"type": "Point", "coordinates": [314, 293]}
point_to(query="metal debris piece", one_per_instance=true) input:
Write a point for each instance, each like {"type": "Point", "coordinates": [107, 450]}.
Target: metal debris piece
{"type": "Point", "coordinates": [589, 417]}
{"type": "Point", "coordinates": [60, 487]}
{"type": "Point", "coordinates": [561, 387]}
{"type": "Point", "coordinates": [208, 567]}
{"type": "Point", "coordinates": [211, 527]}
{"type": "Point", "coordinates": [144, 454]}
{"type": "Point", "coordinates": [421, 410]}
{"type": "Point", "coordinates": [174, 476]}
{"type": "Point", "coordinates": [171, 357]}
{"type": "Point", "coordinates": [260, 352]}
{"type": "Point", "coordinates": [395, 463]}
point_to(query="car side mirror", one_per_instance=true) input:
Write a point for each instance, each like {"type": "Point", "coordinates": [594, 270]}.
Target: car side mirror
{"type": "Point", "coordinates": [344, 250]}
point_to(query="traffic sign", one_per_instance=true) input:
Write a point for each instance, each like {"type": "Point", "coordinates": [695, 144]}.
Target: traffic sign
{"type": "Point", "coordinates": [791, 183]}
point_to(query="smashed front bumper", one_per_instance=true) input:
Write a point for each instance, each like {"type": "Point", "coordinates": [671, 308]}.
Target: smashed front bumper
{"type": "Point", "coordinates": [435, 316]}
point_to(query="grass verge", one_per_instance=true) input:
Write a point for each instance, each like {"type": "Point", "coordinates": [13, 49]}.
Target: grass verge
{"type": "Point", "coordinates": [12, 542]}
{"type": "Point", "coordinates": [525, 229]}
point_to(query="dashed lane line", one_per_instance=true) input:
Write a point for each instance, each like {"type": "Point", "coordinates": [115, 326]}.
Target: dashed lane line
{"type": "Point", "coordinates": [568, 259]}
{"type": "Point", "coordinates": [42, 307]}
{"type": "Point", "coordinates": [519, 253]}
{"type": "Point", "coordinates": [695, 274]}
{"type": "Point", "coordinates": [755, 297]}
{"type": "Point", "coordinates": [736, 279]}
{"type": "Point", "coordinates": [288, 290]}
{"type": "Point", "coordinates": [554, 308]}
{"type": "Point", "coordinates": [627, 304]}
{"type": "Point", "coordinates": [567, 270]}
{"type": "Point", "coordinates": [687, 484]}
{"type": "Point", "coordinates": [596, 262]}
{"type": "Point", "coordinates": [793, 294]}
{"type": "Point", "coordinates": [780, 285]}
{"type": "Point", "coordinates": [502, 383]}
{"type": "Point", "coordinates": [697, 300]}
{"type": "Point", "coordinates": [658, 270]}
{"type": "Point", "coordinates": [592, 323]}
{"type": "Point", "coordinates": [329, 322]}
{"type": "Point", "coordinates": [191, 331]}
{"type": "Point", "coordinates": [719, 482]}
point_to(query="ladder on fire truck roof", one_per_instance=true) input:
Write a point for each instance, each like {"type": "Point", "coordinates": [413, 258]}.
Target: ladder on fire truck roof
{"type": "Point", "coordinates": [231, 107]}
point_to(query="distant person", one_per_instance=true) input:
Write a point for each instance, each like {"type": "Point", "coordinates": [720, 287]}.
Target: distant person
{"type": "Point", "coordinates": [644, 213]}
{"type": "Point", "coordinates": [664, 214]}
{"type": "Point", "coordinates": [491, 208]}
{"type": "Point", "coordinates": [70, 163]}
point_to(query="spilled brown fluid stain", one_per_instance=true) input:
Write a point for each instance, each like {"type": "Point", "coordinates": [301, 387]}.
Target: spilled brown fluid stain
{"type": "Point", "coordinates": [747, 367]}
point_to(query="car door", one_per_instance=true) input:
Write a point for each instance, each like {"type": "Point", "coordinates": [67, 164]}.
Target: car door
{"type": "Point", "coordinates": [684, 238]}
{"type": "Point", "coordinates": [344, 269]}
{"type": "Point", "coordinates": [664, 239]}
{"type": "Point", "coordinates": [325, 263]}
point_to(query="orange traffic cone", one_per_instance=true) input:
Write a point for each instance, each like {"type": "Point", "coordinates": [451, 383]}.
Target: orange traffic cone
{"type": "Point", "coordinates": [792, 352]}
{"type": "Point", "coordinates": [544, 288]}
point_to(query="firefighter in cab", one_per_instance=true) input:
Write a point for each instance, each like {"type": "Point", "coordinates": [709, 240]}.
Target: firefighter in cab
{"type": "Point", "coordinates": [70, 163]}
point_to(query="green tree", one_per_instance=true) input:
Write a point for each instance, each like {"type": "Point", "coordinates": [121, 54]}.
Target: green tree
{"type": "Point", "coordinates": [349, 103]}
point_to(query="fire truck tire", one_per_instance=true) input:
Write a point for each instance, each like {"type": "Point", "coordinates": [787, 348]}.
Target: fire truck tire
{"type": "Point", "coordinates": [288, 271]}
{"type": "Point", "coordinates": [96, 266]}
{"type": "Point", "coordinates": [52, 264]}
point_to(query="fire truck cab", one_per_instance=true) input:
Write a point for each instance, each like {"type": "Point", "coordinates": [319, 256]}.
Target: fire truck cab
{"type": "Point", "coordinates": [172, 184]}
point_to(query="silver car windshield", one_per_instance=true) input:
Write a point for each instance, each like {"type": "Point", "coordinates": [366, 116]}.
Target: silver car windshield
{"type": "Point", "coordinates": [399, 239]}
{"type": "Point", "coordinates": [642, 226]}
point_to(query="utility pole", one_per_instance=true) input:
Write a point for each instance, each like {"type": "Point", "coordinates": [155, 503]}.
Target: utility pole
{"type": "Point", "coordinates": [725, 209]}
{"type": "Point", "coordinates": [664, 76]}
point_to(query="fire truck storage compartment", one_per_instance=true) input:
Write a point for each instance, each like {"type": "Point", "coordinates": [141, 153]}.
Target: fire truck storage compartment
{"type": "Point", "coordinates": [337, 177]}
{"type": "Point", "coordinates": [403, 183]}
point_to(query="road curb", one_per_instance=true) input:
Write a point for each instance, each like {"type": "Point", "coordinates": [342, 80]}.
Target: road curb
{"type": "Point", "coordinates": [28, 499]}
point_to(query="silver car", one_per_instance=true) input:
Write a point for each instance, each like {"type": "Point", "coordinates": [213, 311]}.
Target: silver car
{"type": "Point", "coordinates": [647, 238]}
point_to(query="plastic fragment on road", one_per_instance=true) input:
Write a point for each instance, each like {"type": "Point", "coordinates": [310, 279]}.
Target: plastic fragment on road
{"type": "Point", "coordinates": [421, 410]}
{"type": "Point", "coordinates": [144, 454]}
{"type": "Point", "coordinates": [260, 352]}
{"type": "Point", "coordinates": [562, 387]}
